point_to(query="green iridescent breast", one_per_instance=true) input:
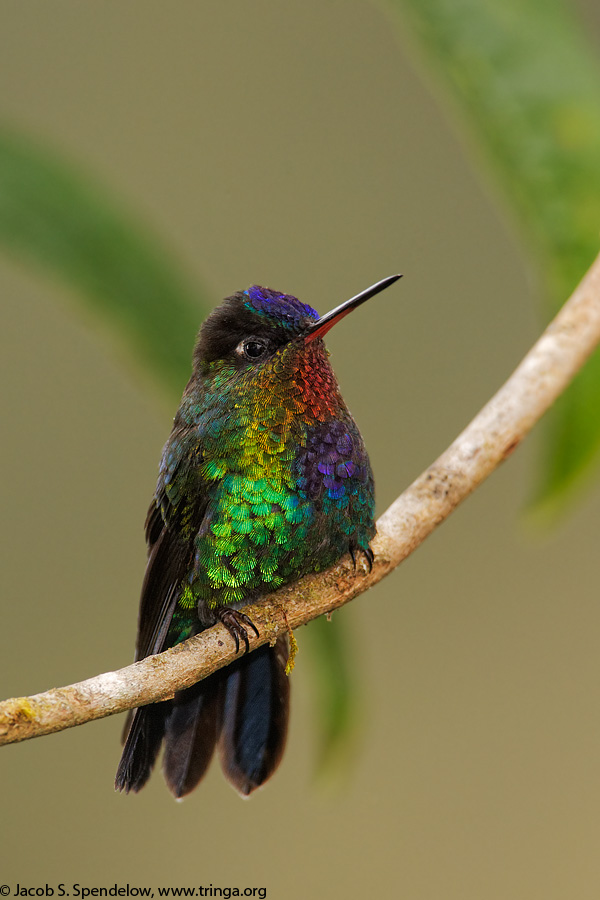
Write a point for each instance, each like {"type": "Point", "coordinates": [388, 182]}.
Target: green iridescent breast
{"type": "Point", "coordinates": [287, 480]}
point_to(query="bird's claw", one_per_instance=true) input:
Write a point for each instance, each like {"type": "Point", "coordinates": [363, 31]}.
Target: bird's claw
{"type": "Point", "coordinates": [235, 622]}
{"type": "Point", "coordinates": [368, 553]}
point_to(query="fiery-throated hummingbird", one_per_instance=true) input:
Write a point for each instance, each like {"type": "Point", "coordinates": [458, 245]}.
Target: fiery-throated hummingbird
{"type": "Point", "coordinates": [264, 478]}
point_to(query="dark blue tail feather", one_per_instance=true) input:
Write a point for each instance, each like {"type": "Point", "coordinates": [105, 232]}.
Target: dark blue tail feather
{"type": "Point", "coordinates": [254, 716]}
{"type": "Point", "coordinates": [244, 708]}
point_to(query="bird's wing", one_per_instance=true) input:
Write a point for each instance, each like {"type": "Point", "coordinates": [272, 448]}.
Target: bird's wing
{"type": "Point", "coordinates": [167, 565]}
{"type": "Point", "coordinates": [175, 514]}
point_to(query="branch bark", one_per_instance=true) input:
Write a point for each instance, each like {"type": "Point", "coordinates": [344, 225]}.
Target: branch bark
{"type": "Point", "coordinates": [495, 432]}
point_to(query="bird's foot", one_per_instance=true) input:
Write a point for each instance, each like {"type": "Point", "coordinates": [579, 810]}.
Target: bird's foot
{"type": "Point", "coordinates": [370, 556]}
{"type": "Point", "coordinates": [235, 622]}
{"type": "Point", "coordinates": [368, 553]}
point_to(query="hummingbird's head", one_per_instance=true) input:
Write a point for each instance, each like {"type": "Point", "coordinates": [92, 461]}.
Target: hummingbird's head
{"type": "Point", "coordinates": [252, 327]}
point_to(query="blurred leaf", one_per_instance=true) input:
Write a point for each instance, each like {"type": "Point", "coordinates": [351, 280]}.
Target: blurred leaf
{"type": "Point", "coordinates": [335, 693]}
{"type": "Point", "coordinates": [528, 81]}
{"type": "Point", "coordinates": [64, 222]}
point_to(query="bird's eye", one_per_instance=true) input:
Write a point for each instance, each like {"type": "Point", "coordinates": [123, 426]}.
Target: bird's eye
{"type": "Point", "coordinates": [252, 348]}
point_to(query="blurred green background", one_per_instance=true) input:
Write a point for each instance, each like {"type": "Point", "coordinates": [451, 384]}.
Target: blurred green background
{"type": "Point", "coordinates": [293, 145]}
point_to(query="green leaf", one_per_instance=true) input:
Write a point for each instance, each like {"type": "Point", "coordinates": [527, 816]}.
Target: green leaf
{"type": "Point", "coordinates": [527, 82]}
{"type": "Point", "coordinates": [335, 692]}
{"type": "Point", "coordinates": [63, 222]}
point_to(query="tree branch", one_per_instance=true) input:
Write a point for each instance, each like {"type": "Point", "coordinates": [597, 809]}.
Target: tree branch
{"type": "Point", "coordinates": [494, 433]}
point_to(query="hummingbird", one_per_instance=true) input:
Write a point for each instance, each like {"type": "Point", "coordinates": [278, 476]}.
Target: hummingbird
{"type": "Point", "coordinates": [264, 478]}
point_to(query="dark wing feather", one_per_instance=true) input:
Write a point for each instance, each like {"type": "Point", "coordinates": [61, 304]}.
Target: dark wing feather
{"type": "Point", "coordinates": [178, 498]}
{"type": "Point", "coordinates": [154, 523]}
{"type": "Point", "coordinates": [169, 560]}
{"type": "Point", "coordinates": [174, 516]}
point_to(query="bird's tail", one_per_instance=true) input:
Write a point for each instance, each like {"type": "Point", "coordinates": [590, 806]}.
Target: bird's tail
{"type": "Point", "coordinates": [242, 709]}
{"type": "Point", "coordinates": [144, 731]}
{"type": "Point", "coordinates": [254, 711]}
